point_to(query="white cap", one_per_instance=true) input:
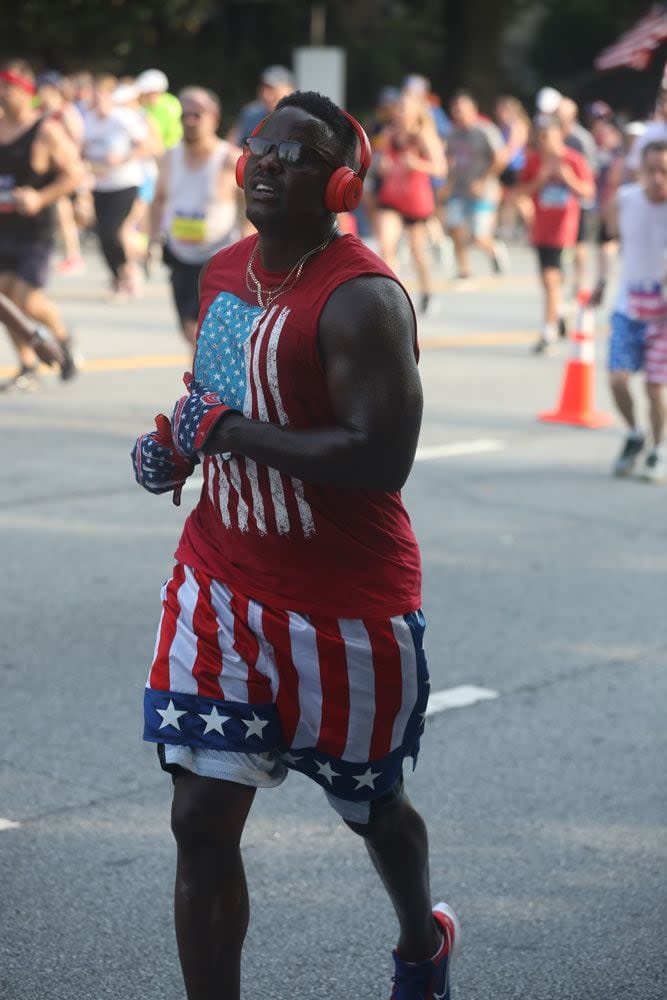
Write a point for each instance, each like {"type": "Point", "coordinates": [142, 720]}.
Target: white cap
{"type": "Point", "coordinates": [124, 93]}
{"type": "Point", "coordinates": [152, 81]}
{"type": "Point", "coordinates": [635, 128]}
{"type": "Point", "coordinates": [548, 100]}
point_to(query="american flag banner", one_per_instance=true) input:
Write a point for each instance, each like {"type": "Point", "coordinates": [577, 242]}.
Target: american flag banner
{"type": "Point", "coordinates": [636, 46]}
{"type": "Point", "coordinates": [342, 700]}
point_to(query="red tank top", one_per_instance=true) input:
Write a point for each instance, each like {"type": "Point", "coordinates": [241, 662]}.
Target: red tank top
{"type": "Point", "coordinates": [318, 549]}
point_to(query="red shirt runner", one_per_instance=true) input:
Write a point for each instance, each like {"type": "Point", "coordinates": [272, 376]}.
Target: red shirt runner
{"type": "Point", "coordinates": [557, 209]}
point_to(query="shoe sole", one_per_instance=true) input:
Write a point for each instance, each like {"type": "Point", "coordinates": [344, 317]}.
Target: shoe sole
{"type": "Point", "coordinates": [447, 911]}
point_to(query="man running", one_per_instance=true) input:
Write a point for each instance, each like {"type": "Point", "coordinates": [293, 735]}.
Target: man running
{"type": "Point", "coordinates": [639, 321]}
{"type": "Point", "coordinates": [38, 165]}
{"type": "Point", "coordinates": [475, 153]}
{"type": "Point", "coordinates": [291, 635]}
{"type": "Point", "coordinates": [195, 205]}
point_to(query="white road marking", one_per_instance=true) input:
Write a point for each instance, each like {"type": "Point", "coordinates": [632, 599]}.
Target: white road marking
{"type": "Point", "coordinates": [8, 824]}
{"type": "Point", "coordinates": [424, 454]}
{"type": "Point", "coordinates": [458, 697]}
{"type": "Point", "coordinates": [453, 450]}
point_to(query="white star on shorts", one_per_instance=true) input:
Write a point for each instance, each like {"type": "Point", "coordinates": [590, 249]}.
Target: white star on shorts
{"type": "Point", "coordinates": [255, 726]}
{"type": "Point", "coordinates": [326, 771]}
{"type": "Point", "coordinates": [214, 721]}
{"type": "Point", "coordinates": [367, 779]}
{"type": "Point", "coordinates": [170, 716]}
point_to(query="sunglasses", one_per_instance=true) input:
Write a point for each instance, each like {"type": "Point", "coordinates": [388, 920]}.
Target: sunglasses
{"type": "Point", "coordinates": [191, 114]}
{"type": "Point", "coordinates": [290, 152]}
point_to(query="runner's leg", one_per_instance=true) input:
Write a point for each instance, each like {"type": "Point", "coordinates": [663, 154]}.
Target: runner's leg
{"type": "Point", "coordinates": [211, 898]}
{"type": "Point", "coordinates": [656, 399]}
{"type": "Point", "coordinates": [397, 843]}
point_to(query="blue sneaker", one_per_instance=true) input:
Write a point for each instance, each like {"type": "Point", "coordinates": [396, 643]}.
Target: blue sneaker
{"type": "Point", "coordinates": [429, 980]}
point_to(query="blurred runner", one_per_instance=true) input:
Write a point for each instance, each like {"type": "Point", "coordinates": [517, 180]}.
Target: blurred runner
{"type": "Point", "coordinates": [638, 341]}
{"type": "Point", "coordinates": [116, 141]}
{"type": "Point", "coordinates": [556, 178]}
{"type": "Point", "coordinates": [38, 165]}
{"type": "Point", "coordinates": [514, 124]}
{"type": "Point", "coordinates": [411, 156]}
{"type": "Point", "coordinates": [275, 82]}
{"type": "Point", "coordinates": [580, 139]}
{"type": "Point", "coordinates": [475, 156]}
{"type": "Point", "coordinates": [159, 105]}
{"type": "Point", "coordinates": [52, 102]}
{"type": "Point", "coordinates": [611, 170]}
{"type": "Point", "coordinates": [195, 208]}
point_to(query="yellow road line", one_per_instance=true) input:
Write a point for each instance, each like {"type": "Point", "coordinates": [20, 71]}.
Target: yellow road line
{"type": "Point", "coordinates": [142, 361]}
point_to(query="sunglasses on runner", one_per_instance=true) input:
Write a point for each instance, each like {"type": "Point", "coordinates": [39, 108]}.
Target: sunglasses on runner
{"type": "Point", "coordinates": [290, 152]}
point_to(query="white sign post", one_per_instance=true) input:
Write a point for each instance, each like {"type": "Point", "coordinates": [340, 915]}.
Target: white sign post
{"type": "Point", "coordinates": [321, 68]}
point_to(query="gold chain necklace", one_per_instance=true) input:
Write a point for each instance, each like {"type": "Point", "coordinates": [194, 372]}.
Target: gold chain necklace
{"type": "Point", "coordinates": [265, 297]}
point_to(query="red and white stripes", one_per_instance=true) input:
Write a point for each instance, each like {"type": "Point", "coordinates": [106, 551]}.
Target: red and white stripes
{"type": "Point", "coordinates": [247, 496]}
{"type": "Point", "coordinates": [346, 687]}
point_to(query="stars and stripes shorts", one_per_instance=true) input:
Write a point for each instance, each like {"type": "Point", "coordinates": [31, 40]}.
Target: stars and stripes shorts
{"type": "Point", "coordinates": [655, 353]}
{"type": "Point", "coordinates": [244, 692]}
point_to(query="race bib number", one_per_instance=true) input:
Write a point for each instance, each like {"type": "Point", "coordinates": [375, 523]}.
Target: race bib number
{"type": "Point", "coordinates": [554, 196]}
{"type": "Point", "coordinates": [188, 228]}
{"type": "Point", "coordinates": [7, 184]}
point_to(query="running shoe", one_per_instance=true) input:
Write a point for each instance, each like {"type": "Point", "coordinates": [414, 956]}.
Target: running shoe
{"type": "Point", "coordinates": [500, 260]}
{"type": "Point", "coordinates": [544, 346]}
{"type": "Point", "coordinates": [71, 266]}
{"type": "Point", "coordinates": [628, 456]}
{"type": "Point", "coordinates": [429, 980]}
{"type": "Point", "coordinates": [68, 366]}
{"type": "Point", "coordinates": [25, 380]}
{"type": "Point", "coordinates": [655, 468]}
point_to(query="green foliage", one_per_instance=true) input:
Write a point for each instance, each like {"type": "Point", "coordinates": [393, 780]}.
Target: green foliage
{"type": "Point", "coordinates": [224, 43]}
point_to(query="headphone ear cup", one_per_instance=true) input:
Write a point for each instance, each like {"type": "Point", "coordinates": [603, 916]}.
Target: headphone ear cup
{"type": "Point", "coordinates": [240, 169]}
{"type": "Point", "coordinates": [353, 193]}
{"type": "Point", "coordinates": [335, 196]}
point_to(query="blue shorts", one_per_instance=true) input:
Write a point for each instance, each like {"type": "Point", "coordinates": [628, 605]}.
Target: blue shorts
{"type": "Point", "coordinates": [477, 214]}
{"type": "Point", "coordinates": [626, 344]}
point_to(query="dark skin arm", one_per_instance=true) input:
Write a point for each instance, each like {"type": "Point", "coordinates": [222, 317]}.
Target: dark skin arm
{"type": "Point", "coordinates": [366, 340]}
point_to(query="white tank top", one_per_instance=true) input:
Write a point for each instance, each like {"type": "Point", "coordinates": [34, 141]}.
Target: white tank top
{"type": "Point", "coordinates": [196, 222]}
{"type": "Point", "coordinates": [642, 228]}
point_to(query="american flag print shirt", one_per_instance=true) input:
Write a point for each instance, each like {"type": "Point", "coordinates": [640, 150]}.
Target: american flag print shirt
{"type": "Point", "coordinates": [315, 548]}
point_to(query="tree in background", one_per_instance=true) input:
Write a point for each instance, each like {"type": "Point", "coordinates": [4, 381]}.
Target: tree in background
{"type": "Point", "coordinates": [224, 43]}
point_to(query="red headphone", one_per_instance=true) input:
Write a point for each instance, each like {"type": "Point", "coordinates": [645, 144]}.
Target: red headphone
{"type": "Point", "coordinates": [343, 190]}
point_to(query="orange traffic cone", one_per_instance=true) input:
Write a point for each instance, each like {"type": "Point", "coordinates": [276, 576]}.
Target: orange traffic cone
{"type": "Point", "coordinates": [577, 397]}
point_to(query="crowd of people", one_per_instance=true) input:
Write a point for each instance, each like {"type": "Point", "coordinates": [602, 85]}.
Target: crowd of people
{"type": "Point", "coordinates": [148, 173]}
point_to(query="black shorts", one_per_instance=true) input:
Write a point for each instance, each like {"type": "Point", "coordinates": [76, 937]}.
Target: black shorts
{"type": "Point", "coordinates": [549, 257]}
{"type": "Point", "coordinates": [587, 225]}
{"type": "Point", "coordinates": [184, 285]}
{"type": "Point", "coordinates": [510, 177]}
{"type": "Point", "coordinates": [27, 261]}
{"type": "Point", "coordinates": [407, 220]}
{"type": "Point", "coordinates": [604, 236]}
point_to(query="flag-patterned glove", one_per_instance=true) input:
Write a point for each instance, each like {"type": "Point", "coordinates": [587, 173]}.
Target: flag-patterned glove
{"type": "Point", "coordinates": [195, 416]}
{"type": "Point", "coordinates": [158, 467]}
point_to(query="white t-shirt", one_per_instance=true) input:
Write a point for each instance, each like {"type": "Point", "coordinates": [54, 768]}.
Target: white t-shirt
{"type": "Point", "coordinates": [654, 132]}
{"type": "Point", "coordinates": [115, 133]}
{"type": "Point", "coordinates": [642, 227]}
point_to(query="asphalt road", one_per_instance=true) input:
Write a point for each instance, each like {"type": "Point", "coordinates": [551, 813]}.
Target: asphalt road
{"type": "Point", "coordinates": [544, 584]}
